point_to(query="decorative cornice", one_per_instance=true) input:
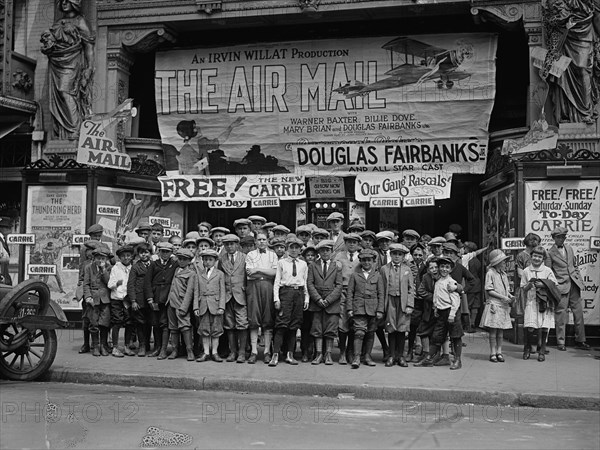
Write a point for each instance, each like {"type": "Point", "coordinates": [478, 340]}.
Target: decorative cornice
{"type": "Point", "coordinates": [17, 104]}
{"type": "Point", "coordinates": [54, 162]}
{"type": "Point", "coordinates": [209, 6]}
{"type": "Point", "coordinates": [119, 59]}
{"type": "Point", "coordinates": [562, 153]}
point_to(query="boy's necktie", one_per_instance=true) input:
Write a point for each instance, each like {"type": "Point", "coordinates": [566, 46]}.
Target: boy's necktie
{"type": "Point", "coordinates": [324, 267]}
{"type": "Point", "coordinates": [232, 260]}
{"type": "Point", "coordinates": [294, 272]}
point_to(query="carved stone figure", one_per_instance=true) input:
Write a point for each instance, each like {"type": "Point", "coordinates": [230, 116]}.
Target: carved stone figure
{"type": "Point", "coordinates": [69, 45]}
{"type": "Point", "coordinates": [573, 29]}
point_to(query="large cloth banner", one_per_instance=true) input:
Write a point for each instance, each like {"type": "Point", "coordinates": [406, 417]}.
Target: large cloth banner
{"type": "Point", "coordinates": [328, 107]}
{"type": "Point", "coordinates": [575, 205]}
{"type": "Point", "coordinates": [232, 188]}
{"type": "Point", "coordinates": [403, 185]}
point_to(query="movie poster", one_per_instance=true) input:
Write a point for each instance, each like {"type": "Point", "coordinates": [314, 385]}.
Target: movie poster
{"type": "Point", "coordinates": [572, 204]}
{"type": "Point", "coordinates": [54, 215]}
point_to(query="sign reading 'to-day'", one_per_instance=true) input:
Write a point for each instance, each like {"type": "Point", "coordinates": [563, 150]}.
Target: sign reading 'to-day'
{"type": "Point", "coordinates": [41, 269]}
{"type": "Point", "coordinates": [227, 203]}
{"type": "Point", "coordinates": [270, 202]}
{"type": "Point", "coordinates": [21, 239]}
{"type": "Point", "coordinates": [168, 232]}
{"type": "Point", "coordinates": [385, 203]}
{"type": "Point", "coordinates": [106, 210]}
{"type": "Point", "coordinates": [164, 221]}
{"type": "Point", "coordinates": [80, 239]}
{"type": "Point", "coordinates": [513, 244]}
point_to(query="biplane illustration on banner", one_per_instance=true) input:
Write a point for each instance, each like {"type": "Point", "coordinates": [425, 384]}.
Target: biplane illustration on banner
{"type": "Point", "coordinates": [340, 107]}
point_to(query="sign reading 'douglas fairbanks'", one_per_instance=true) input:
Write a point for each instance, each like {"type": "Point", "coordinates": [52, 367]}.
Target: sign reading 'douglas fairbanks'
{"type": "Point", "coordinates": [232, 191]}
{"type": "Point", "coordinates": [329, 107]}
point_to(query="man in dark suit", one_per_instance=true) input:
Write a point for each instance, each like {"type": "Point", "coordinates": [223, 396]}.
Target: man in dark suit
{"type": "Point", "coordinates": [325, 289]}
{"type": "Point", "coordinates": [235, 319]}
{"type": "Point", "coordinates": [561, 260]}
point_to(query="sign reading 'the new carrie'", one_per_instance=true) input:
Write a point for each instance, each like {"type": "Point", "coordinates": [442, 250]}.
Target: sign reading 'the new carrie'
{"type": "Point", "coordinates": [343, 106]}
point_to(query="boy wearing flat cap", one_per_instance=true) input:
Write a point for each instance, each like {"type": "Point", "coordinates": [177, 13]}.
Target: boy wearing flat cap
{"type": "Point", "coordinates": [290, 296]}
{"type": "Point", "coordinates": [178, 304]}
{"type": "Point", "coordinates": [141, 312]}
{"type": "Point", "coordinates": [217, 234]}
{"type": "Point", "coordinates": [242, 227]}
{"type": "Point", "coordinates": [97, 295]}
{"type": "Point", "coordinates": [399, 302]}
{"type": "Point", "coordinates": [157, 283]}
{"type": "Point", "coordinates": [208, 303]}
{"type": "Point", "coordinates": [86, 310]}
{"type": "Point", "coordinates": [235, 320]}
{"type": "Point", "coordinates": [561, 259]}
{"type": "Point", "coordinates": [119, 303]}
{"type": "Point", "coordinates": [324, 284]}
{"type": "Point", "coordinates": [335, 222]}
{"type": "Point", "coordinates": [365, 305]}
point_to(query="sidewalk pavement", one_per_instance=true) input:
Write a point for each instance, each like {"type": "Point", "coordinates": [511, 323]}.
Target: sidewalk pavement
{"type": "Point", "coordinates": [568, 379]}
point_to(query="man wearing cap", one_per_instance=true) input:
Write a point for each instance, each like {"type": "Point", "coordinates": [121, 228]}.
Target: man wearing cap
{"type": "Point", "coordinates": [290, 296]}
{"type": "Point", "coordinates": [261, 265]}
{"type": "Point", "coordinates": [384, 239]}
{"type": "Point", "coordinates": [335, 222]}
{"type": "Point", "coordinates": [141, 313]}
{"type": "Point", "coordinates": [435, 247]}
{"type": "Point", "coordinates": [119, 304]}
{"type": "Point", "coordinates": [324, 285]}
{"type": "Point", "coordinates": [561, 259]}
{"type": "Point", "coordinates": [143, 230]}
{"type": "Point", "coordinates": [235, 319]}
{"type": "Point", "coordinates": [318, 235]}
{"type": "Point", "coordinates": [247, 244]}
{"type": "Point", "coordinates": [409, 238]}
{"type": "Point", "coordinates": [399, 295]}
{"type": "Point", "coordinates": [217, 234]}
{"type": "Point", "coordinates": [365, 305]}
{"type": "Point", "coordinates": [242, 227]}
{"type": "Point", "coordinates": [350, 262]}
{"type": "Point", "coordinates": [157, 283]}
{"type": "Point", "coordinates": [257, 223]}
{"type": "Point", "coordinates": [86, 312]}
{"type": "Point", "coordinates": [280, 231]}
{"type": "Point", "coordinates": [303, 233]}
{"type": "Point", "coordinates": [97, 295]}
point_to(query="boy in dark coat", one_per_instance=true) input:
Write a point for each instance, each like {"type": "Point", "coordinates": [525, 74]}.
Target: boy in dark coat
{"type": "Point", "coordinates": [325, 289]}
{"type": "Point", "coordinates": [157, 284]}
{"type": "Point", "coordinates": [141, 313]}
{"type": "Point", "coordinates": [365, 305]}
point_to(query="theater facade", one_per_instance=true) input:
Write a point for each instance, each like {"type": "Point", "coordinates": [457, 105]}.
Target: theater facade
{"type": "Point", "coordinates": [403, 113]}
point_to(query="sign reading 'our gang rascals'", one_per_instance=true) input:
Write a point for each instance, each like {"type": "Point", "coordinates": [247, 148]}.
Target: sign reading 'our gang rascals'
{"type": "Point", "coordinates": [329, 107]}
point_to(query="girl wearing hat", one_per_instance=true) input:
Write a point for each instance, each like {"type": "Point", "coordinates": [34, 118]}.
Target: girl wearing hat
{"type": "Point", "coordinates": [496, 314]}
{"type": "Point", "coordinates": [536, 279]}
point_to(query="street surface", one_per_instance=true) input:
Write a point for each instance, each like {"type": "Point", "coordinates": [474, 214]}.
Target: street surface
{"type": "Point", "coordinates": [58, 415]}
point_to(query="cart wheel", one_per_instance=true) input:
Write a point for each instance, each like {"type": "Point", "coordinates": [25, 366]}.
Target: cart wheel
{"type": "Point", "coordinates": [26, 354]}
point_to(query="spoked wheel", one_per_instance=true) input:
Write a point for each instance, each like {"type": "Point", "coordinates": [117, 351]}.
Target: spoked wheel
{"type": "Point", "coordinates": [25, 353]}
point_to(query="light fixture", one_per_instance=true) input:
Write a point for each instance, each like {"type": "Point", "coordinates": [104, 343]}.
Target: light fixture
{"type": "Point", "coordinates": [333, 205]}
{"type": "Point", "coordinates": [318, 205]}
{"type": "Point", "coordinates": [325, 205]}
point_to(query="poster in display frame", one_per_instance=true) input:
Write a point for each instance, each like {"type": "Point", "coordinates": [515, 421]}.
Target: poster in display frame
{"type": "Point", "coordinates": [55, 214]}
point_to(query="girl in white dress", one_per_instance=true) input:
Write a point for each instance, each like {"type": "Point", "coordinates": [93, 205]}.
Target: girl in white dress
{"type": "Point", "coordinates": [534, 318]}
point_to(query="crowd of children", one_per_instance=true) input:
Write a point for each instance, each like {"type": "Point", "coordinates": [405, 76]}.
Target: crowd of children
{"type": "Point", "coordinates": [213, 293]}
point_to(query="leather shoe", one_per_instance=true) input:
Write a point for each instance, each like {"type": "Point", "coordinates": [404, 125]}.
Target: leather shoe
{"type": "Point", "coordinates": [328, 360]}
{"type": "Point", "coordinates": [304, 358]}
{"type": "Point", "coordinates": [318, 359]}
{"type": "Point", "coordinates": [356, 362]}
{"type": "Point", "coordinates": [541, 357]}
{"type": "Point", "coordinates": [267, 358]}
{"type": "Point", "coordinates": [582, 345]}
{"type": "Point", "coordinates": [425, 362]}
{"type": "Point", "coordinates": [232, 357]}
{"type": "Point", "coordinates": [402, 362]}
{"type": "Point", "coordinates": [343, 360]}
{"type": "Point", "coordinates": [526, 353]}
{"type": "Point", "coordinates": [369, 362]}
{"type": "Point", "coordinates": [216, 358]}
{"type": "Point", "coordinates": [390, 362]}
{"type": "Point", "coordinates": [443, 361]}
{"type": "Point", "coordinates": [274, 360]}
{"type": "Point", "coordinates": [290, 359]}
{"type": "Point", "coordinates": [456, 364]}
{"type": "Point", "coordinates": [96, 351]}
{"type": "Point", "coordinates": [241, 359]}
{"type": "Point", "coordinates": [562, 348]}
{"type": "Point", "coordinates": [202, 358]}
{"type": "Point", "coordinates": [84, 348]}
{"type": "Point", "coordinates": [252, 359]}
{"type": "Point", "coordinates": [409, 357]}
